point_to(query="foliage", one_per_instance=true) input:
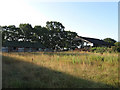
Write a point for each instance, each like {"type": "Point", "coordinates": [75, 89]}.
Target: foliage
{"type": "Point", "coordinates": [105, 49]}
{"type": "Point", "coordinates": [115, 48]}
{"type": "Point", "coordinates": [117, 43]}
{"type": "Point", "coordinates": [52, 36]}
{"type": "Point", "coordinates": [99, 49]}
{"type": "Point", "coordinates": [54, 26]}
{"type": "Point", "coordinates": [27, 31]}
{"type": "Point", "coordinates": [59, 38]}
{"type": "Point", "coordinates": [110, 41]}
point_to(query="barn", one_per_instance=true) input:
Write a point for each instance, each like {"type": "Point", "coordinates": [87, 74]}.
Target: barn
{"type": "Point", "coordinates": [87, 42]}
{"type": "Point", "coordinates": [21, 46]}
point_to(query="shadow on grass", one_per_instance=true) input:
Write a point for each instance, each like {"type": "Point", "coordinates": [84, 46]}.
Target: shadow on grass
{"type": "Point", "coordinates": [21, 74]}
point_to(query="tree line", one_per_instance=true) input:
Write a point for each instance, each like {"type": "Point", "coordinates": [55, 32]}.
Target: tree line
{"type": "Point", "coordinates": [52, 36]}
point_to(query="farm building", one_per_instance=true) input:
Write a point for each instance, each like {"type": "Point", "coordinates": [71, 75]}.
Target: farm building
{"type": "Point", "coordinates": [20, 46]}
{"type": "Point", "coordinates": [87, 42]}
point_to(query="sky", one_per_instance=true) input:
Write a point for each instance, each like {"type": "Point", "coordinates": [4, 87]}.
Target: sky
{"type": "Point", "coordinates": [87, 19]}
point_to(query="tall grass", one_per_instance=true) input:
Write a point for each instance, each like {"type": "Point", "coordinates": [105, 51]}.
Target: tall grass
{"type": "Point", "coordinates": [96, 67]}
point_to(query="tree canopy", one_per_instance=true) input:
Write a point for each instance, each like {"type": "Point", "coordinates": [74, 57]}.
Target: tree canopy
{"type": "Point", "coordinates": [52, 36]}
{"type": "Point", "coordinates": [110, 41]}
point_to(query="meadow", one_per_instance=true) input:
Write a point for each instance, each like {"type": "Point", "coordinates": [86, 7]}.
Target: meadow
{"type": "Point", "coordinates": [71, 69]}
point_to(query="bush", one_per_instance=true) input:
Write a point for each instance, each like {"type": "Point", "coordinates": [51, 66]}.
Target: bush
{"type": "Point", "coordinates": [105, 49]}
{"type": "Point", "coordinates": [93, 49]}
{"type": "Point", "coordinates": [117, 44]}
{"type": "Point", "coordinates": [115, 48]}
{"type": "Point", "coordinates": [99, 49]}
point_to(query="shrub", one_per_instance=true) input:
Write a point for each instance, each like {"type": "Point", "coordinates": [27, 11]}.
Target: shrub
{"type": "Point", "coordinates": [115, 48]}
{"type": "Point", "coordinates": [93, 49]}
{"type": "Point", "coordinates": [105, 49]}
{"type": "Point", "coordinates": [117, 44]}
{"type": "Point", "coordinates": [99, 49]}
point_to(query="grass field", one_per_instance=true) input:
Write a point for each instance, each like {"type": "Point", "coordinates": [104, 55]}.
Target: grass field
{"type": "Point", "coordinates": [60, 70]}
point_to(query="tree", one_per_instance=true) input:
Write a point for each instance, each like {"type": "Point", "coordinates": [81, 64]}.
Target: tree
{"type": "Point", "coordinates": [52, 36]}
{"type": "Point", "coordinates": [110, 41]}
{"type": "Point", "coordinates": [56, 31]}
{"type": "Point", "coordinates": [27, 31]}
{"type": "Point", "coordinates": [42, 35]}
{"type": "Point", "coordinates": [55, 26]}
{"type": "Point", "coordinates": [9, 33]}
{"type": "Point", "coordinates": [13, 33]}
{"type": "Point", "coordinates": [59, 38]}
{"type": "Point", "coordinates": [37, 33]}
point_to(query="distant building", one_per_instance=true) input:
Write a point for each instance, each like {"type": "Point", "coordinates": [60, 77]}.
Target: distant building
{"type": "Point", "coordinates": [87, 42]}
{"type": "Point", "coordinates": [21, 46]}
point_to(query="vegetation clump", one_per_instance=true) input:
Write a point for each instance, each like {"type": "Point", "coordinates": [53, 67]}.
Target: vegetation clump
{"type": "Point", "coordinates": [112, 49]}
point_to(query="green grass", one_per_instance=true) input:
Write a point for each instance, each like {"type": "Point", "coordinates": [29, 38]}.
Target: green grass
{"type": "Point", "coordinates": [60, 69]}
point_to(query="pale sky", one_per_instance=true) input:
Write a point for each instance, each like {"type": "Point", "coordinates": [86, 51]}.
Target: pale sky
{"type": "Point", "coordinates": [89, 19]}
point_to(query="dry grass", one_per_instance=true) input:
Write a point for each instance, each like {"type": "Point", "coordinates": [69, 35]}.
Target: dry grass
{"type": "Point", "coordinates": [80, 67]}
